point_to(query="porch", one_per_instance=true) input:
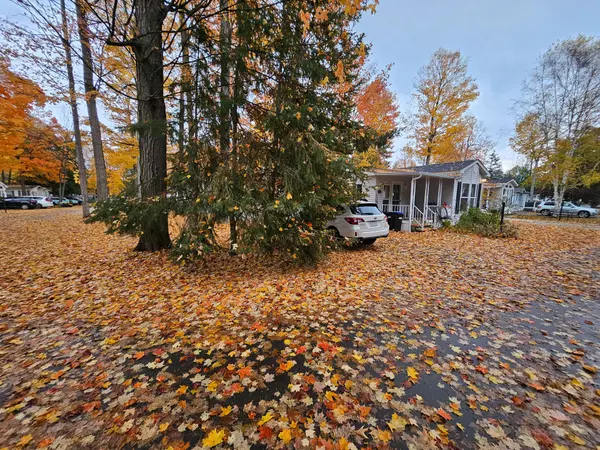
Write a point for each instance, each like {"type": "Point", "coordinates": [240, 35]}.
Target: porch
{"type": "Point", "coordinates": [424, 200]}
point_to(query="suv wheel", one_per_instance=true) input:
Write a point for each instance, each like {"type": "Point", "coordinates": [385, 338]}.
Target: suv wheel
{"type": "Point", "coordinates": [24, 206]}
{"type": "Point", "coordinates": [370, 241]}
{"type": "Point", "coordinates": [583, 214]}
{"type": "Point", "coordinates": [335, 233]}
{"type": "Point", "coordinates": [545, 212]}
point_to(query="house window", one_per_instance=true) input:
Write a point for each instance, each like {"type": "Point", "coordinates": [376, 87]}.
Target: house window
{"type": "Point", "coordinates": [468, 196]}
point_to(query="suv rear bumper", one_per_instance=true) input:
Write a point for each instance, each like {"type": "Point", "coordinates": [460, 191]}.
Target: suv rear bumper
{"type": "Point", "coordinates": [367, 234]}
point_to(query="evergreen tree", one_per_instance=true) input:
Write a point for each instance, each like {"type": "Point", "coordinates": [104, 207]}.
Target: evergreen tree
{"type": "Point", "coordinates": [269, 98]}
{"type": "Point", "coordinates": [494, 166]}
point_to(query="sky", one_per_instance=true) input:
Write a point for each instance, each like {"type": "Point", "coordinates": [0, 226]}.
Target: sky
{"type": "Point", "coordinates": [502, 40]}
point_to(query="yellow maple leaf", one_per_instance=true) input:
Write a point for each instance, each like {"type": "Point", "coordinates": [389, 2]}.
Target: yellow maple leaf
{"type": "Point", "coordinates": [182, 390]}
{"type": "Point", "coordinates": [25, 440]}
{"type": "Point", "coordinates": [264, 419]}
{"type": "Point", "coordinates": [298, 115]}
{"type": "Point", "coordinates": [286, 435]}
{"type": "Point", "coordinates": [289, 196]}
{"type": "Point", "coordinates": [225, 411]}
{"type": "Point", "coordinates": [163, 427]}
{"type": "Point", "coordinates": [412, 373]}
{"type": "Point", "coordinates": [397, 423]}
{"type": "Point", "coordinates": [384, 436]}
{"type": "Point", "coordinates": [214, 438]}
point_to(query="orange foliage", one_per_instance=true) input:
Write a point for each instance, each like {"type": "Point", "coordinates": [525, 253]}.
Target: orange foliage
{"type": "Point", "coordinates": [377, 106]}
{"type": "Point", "coordinates": [27, 144]}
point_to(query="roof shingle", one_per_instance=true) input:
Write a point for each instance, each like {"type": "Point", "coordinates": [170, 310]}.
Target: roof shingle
{"type": "Point", "coordinates": [445, 167]}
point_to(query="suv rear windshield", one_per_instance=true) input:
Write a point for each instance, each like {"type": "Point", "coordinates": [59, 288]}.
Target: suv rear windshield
{"type": "Point", "coordinates": [365, 210]}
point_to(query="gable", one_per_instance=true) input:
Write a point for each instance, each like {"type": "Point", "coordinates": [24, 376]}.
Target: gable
{"type": "Point", "coordinates": [471, 175]}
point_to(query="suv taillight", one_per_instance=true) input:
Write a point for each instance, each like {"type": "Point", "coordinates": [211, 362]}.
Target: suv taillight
{"type": "Point", "coordinates": [354, 220]}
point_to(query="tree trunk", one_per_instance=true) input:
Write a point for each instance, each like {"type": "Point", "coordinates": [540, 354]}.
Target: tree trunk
{"type": "Point", "coordinates": [90, 99]}
{"type": "Point", "coordinates": [152, 119]}
{"type": "Point", "coordinates": [74, 111]}
{"type": "Point", "coordinates": [225, 104]}
{"type": "Point", "coordinates": [533, 176]}
{"type": "Point", "coordinates": [182, 89]}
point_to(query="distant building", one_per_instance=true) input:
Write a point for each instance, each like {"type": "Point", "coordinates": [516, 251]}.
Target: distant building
{"type": "Point", "coordinates": [504, 190]}
{"type": "Point", "coordinates": [16, 190]}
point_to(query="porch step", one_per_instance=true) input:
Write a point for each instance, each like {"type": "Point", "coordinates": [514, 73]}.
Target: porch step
{"type": "Point", "coordinates": [418, 227]}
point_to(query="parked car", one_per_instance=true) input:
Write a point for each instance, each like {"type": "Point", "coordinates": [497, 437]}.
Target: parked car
{"type": "Point", "coordinates": [19, 203]}
{"type": "Point", "coordinates": [44, 202]}
{"type": "Point", "coordinates": [547, 209]}
{"type": "Point", "coordinates": [363, 221]}
{"type": "Point", "coordinates": [75, 201]}
{"type": "Point", "coordinates": [63, 203]}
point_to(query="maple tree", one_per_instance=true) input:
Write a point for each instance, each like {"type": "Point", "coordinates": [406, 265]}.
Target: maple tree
{"type": "Point", "coordinates": [378, 109]}
{"type": "Point", "coordinates": [33, 146]}
{"type": "Point", "coordinates": [444, 92]}
{"type": "Point", "coordinates": [529, 142]}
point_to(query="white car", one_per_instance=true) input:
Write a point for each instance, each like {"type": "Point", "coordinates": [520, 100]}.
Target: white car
{"type": "Point", "coordinates": [44, 202]}
{"type": "Point", "coordinates": [363, 221]}
{"type": "Point", "coordinates": [547, 209]}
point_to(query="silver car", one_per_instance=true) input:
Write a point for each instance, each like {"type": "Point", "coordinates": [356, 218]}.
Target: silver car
{"type": "Point", "coordinates": [547, 209]}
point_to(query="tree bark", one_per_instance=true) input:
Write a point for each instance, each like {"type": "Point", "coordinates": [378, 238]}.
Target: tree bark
{"type": "Point", "coordinates": [74, 111]}
{"type": "Point", "coordinates": [90, 99]}
{"type": "Point", "coordinates": [152, 119]}
{"type": "Point", "coordinates": [533, 176]}
{"type": "Point", "coordinates": [226, 104]}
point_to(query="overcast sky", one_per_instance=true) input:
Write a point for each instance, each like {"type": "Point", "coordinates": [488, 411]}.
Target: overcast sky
{"type": "Point", "coordinates": [502, 40]}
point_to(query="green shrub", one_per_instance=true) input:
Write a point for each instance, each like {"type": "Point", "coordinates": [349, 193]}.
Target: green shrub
{"type": "Point", "coordinates": [485, 224]}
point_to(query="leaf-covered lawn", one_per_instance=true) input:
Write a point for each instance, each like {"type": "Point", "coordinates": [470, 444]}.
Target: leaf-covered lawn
{"type": "Point", "coordinates": [423, 340]}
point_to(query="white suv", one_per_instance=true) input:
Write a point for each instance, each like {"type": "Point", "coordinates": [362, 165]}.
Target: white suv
{"type": "Point", "coordinates": [44, 202]}
{"type": "Point", "coordinates": [362, 221]}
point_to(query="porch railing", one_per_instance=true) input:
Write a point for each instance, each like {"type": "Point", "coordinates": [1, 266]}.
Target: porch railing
{"type": "Point", "coordinates": [427, 216]}
{"type": "Point", "coordinates": [418, 216]}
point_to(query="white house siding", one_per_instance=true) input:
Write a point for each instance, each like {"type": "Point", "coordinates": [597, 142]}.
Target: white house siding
{"type": "Point", "coordinates": [471, 175]}
{"type": "Point", "coordinates": [369, 190]}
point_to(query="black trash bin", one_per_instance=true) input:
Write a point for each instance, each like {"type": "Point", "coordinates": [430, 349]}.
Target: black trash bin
{"type": "Point", "coordinates": [395, 220]}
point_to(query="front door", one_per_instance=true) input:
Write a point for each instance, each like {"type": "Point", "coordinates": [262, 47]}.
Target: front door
{"type": "Point", "coordinates": [396, 196]}
{"type": "Point", "coordinates": [387, 195]}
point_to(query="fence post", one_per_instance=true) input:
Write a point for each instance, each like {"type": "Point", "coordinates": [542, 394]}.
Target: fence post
{"type": "Point", "coordinates": [561, 210]}
{"type": "Point", "coordinates": [502, 215]}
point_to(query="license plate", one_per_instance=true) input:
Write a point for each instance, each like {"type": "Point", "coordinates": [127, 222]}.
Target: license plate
{"type": "Point", "coordinates": [374, 224]}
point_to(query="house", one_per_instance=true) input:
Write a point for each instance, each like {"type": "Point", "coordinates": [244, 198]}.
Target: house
{"type": "Point", "coordinates": [520, 199]}
{"type": "Point", "coordinates": [2, 189]}
{"type": "Point", "coordinates": [16, 190]}
{"type": "Point", "coordinates": [503, 190]}
{"type": "Point", "coordinates": [426, 195]}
